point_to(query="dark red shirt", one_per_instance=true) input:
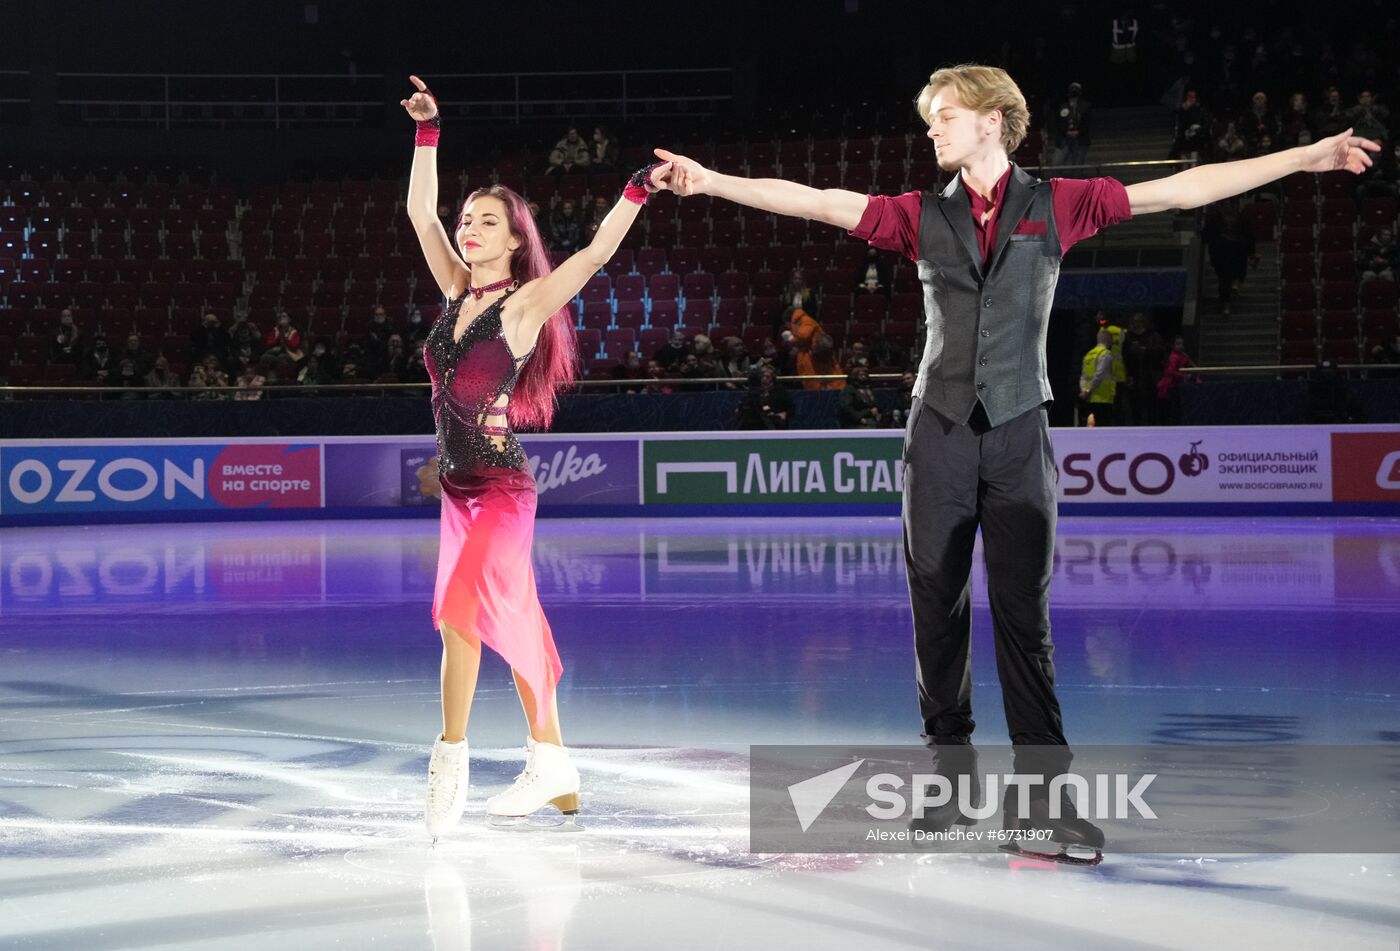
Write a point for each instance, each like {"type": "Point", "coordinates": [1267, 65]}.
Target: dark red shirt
{"type": "Point", "coordinates": [1082, 207]}
{"type": "Point", "coordinates": [986, 232]}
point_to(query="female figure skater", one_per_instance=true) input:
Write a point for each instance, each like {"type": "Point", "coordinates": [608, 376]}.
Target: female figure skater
{"type": "Point", "coordinates": [498, 355]}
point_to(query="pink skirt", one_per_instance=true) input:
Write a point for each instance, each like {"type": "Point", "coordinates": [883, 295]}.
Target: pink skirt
{"type": "Point", "coordinates": [486, 580]}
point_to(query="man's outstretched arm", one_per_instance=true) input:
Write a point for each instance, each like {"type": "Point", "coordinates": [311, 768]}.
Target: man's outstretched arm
{"type": "Point", "coordinates": [1207, 183]}
{"type": "Point", "coordinates": [835, 206]}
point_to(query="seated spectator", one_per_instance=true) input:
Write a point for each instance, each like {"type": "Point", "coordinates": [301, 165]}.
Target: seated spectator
{"type": "Point", "coordinates": [1378, 256]}
{"type": "Point", "coordinates": [905, 401]}
{"type": "Point", "coordinates": [629, 368]}
{"type": "Point", "coordinates": [197, 382]}
{"type": "Point", "coordinates": [244, 334]}
{"type": "Point", "coordinates": [352, 365]}
{"type": "Point", "coordinates": [98, 363]}
{"type": "Point", "coordinates": [873, 277]}
{"type": "Point", "coordinates": [67, 345]}
{"type": "Point", "coordinates": [209, 373]}
{"type": "Point", "coordinates": [857, 406]}
{"type": "Point", "coordinates": [596, 216]}
{"type": "Point", "coordinates": [161, 377]}
{"type": "Point", "coordinates": [127, 375]}
{"type": "Point", "coordinates": [1296, 126]}
{"type": "Point", "coordinates": [415, 331]}
{"type": "Point", "coordinates": [570, 154]}
{"type": "Point", "coordinates": [283, 338]}
{"type": "Point", "coordinates": [314, 372]}
{"type": "Point", "coordinates": [1231, 145]}
{"type": "Point", "coordinates": [244, 358]}
{"type": "Point", "coordinates": [1259, 122]}
{"type": "Point", "coordinates": [603, 153]}
{"type": "Point", "coordinates": [779, 355]}
{"type": "Point", "coordinates": [656, 376]}
{"type": "Point", "coordinates": [708, 362]}
{"type": "Point", "coordinates": [415, 371]}
{"type": "Point", "coordinates": [766, 405]}
{"type": "Point", "coordinates": [1382, 179]}
{"type": "Point", "coordinates": [1368, 118]}
{"type": "Point", "coordinates": [329, 361]}
{"type": "Point", "coordinates": [210, 337]}
{"type": "Point", "coordinates": [278, 370]}
{"type": "Point", "coordinates": [1385, 351]}
{"type": "Point", "coordinates": [140, 358]}
{"type": "Point", "coordinates": [387, 365]}
{"type": "Point", "coordinates": [379, 331]}
{"type": "Point", "coordinates": [250, 384]}
{"type": "Point", "coordinates": [1332, 118]}
{"type": "Point", "coordinates": [859, 355]}
{"type": "Point", "coordinates": [566, 228]}
{"type": "Point", "coordinates": [735, 361]}
{"type": "Point", "coordinates": [1192, 128]}
{"type": "Point", "coordinates": [673, 354]}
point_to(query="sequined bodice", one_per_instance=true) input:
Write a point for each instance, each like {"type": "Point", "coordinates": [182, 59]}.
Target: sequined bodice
{"type": "Point", "coordinates": [473, 379]}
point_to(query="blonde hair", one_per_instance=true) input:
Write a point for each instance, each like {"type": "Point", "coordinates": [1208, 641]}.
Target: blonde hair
{"type": "Point", "coordinates": [982, 88]}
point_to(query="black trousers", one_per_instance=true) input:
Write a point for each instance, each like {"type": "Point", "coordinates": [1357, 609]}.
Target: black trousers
{"type": "Point", "coordinates": [958, 478]}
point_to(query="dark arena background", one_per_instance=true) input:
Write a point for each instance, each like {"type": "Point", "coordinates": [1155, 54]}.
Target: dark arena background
{"type": "Point", "coordinates": [220, 494]}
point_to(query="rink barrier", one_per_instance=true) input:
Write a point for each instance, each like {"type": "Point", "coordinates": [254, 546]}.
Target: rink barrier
{"type": "Point", "coordinates": [1228, 471]}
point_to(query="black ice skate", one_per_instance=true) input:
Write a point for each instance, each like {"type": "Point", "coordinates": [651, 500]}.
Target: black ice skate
{"type": "Point", "coordinates": [958, 764]}
{"type": "Point", "coordinates": [1037, 831]}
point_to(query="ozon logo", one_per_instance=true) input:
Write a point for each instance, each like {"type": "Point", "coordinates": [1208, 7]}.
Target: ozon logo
{"type": "Point", "coordinates": [1388, 475]}
{"type": "Point", "coordinates": [1150, 473]}
{"type": "Point", "coordinates": [32, 482]}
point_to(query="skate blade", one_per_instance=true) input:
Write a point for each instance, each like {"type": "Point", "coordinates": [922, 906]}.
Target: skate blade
{"type": "Point", "coordinates": [535, 822]}
{"type": "Point", "coordinates": [1063, 857]}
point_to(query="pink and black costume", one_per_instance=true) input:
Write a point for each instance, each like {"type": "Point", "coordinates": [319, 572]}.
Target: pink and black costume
{"type": "Point", "coordinates": [485, 579]}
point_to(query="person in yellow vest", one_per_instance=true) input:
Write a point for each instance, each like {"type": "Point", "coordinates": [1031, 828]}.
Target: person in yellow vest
{"type": "Point", "coordinates": [1120, 369]}
{"type": "Point", "coordinates": [1097, 387]}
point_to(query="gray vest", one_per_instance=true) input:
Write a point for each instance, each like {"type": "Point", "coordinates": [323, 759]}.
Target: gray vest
{"type": "Point", "coordinates": [986, 327]}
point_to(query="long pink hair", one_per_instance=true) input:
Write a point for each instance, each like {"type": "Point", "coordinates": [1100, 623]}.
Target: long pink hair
{"type": "Point", "coordinates": [554, 364]}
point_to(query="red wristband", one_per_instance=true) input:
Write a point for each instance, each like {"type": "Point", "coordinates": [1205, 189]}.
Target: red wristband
{"type": "Point", "coordinates": [638, 187]}
{"type": "Point", "coordinates": [427, 134]}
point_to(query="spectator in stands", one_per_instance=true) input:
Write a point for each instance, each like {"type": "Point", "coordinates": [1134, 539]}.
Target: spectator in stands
{"type": "Point", "coordinates": [859, 356]}
{"type": "Point", "coordinates": [570, 154]}
{"type": "Point", "coordinates": [250, 384]}
{"type": "Point", "coordinates": [1192, 128]}
{"type": "Point", "coordinates": [707, 359]}
{"type": "Point", "coordinates": [67, 345]}
{"type": "Point", "coordinates": [873, 276]}
{"type": "Point", "coordinates": [197, 382]}
{"type": "Point", "coordinates": [656, 374]}
{"type": "Point", "coordinates": [283, 338]}
{"type": "Point", "coordinates": [244, 335]}
{"type": "Point", "coordinates": [313, 372]}
{"type": "Point", "coordinates": [352, 365]}
{"type": "Point", "coordinates": [1097, 388]}
{"type": "Point", "coordinates": [127, 375]}
{"type": "Point", "coordinates": [856, 405]}
{"type": "Point", "coordinates": [1368, 118]}
{"type": "Point", "coordinates": [415, 331]}
{"type": "Point", "coordinates": [1144, 352]}
{"type": "Point", "coordinates": [566, 228]}
{"type": "Point", "coordinates": [161, 377]}
{"type": "Point", "coordinates": [1169, 386]}
{"type": "Point", "coordinates": [1230, 242]}
{"type": "Point", "coordinates": [1332, 118]}
{"type": "Point", "coordinates": [379, 331]}
{"type": "Point", "coordinates": [1259, 122]}
{"type": "Point", "coordinates": [821, 361]}
{"type": "Point", "coordinates": [388, 366]}
{"type": "Point", "coordinates": [814, 349]}
{"type": "Point", "coordinates": [1069, 127]}
{"type": "Point", "coordinates": [209, 337]}
{"type": "Point", "coordinates": [1379, 256]}
{"type": "Point", "coordinates": [1385, 351]}
{"type": "Point", "coordinates": [244, 358]}
{"type": "Point", "coordinates": [596, 216]}
{"type": "Point", "coordinates": [630, 368]}
{"type": "Point", "coordinates": [416, 371]}
{"type": "Point", "coordinates": [1231, 145]}
{"type": "Point", "coordinates": [141, 359]}
{"type": "Point", "coordinates": [1382, 180]}
{"type": "Point", "coordinates": [211, 374]}
{"type": "Point", "coordinates": [736, 360]}
{"type": "Point", "coordinates": [603, 152]}
{"type": "Point", "coordinates": [766, 405]}
{"type": "Point", "coordinates": [1297, 125]}
{"type": "Point", "coordinates": [673, 354]}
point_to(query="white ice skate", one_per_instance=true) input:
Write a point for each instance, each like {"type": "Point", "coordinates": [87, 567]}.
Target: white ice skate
{"type": "Point", "coordinates": [448, 770]}
{"type": "Point", "coordinates": [549, 779]}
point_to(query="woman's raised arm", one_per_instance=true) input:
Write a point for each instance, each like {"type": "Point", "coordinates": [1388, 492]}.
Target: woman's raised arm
{"type": "Point", "coordinates": [448, 269]}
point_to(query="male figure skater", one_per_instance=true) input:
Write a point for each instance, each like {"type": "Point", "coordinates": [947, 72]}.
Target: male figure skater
{"type": "Point", "coordinates": [977, 446]}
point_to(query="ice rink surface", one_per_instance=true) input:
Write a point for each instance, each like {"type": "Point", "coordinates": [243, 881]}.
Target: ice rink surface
{"type": "Point", "coordinates": [215, 736]}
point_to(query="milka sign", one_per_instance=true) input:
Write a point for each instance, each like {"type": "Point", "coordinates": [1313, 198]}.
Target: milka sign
{"type": "Point", "coordinates": [565, 468]}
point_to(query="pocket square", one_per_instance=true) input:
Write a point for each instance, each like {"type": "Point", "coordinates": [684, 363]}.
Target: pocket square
{"type": "Point", "coordinates": [1030, 227]}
